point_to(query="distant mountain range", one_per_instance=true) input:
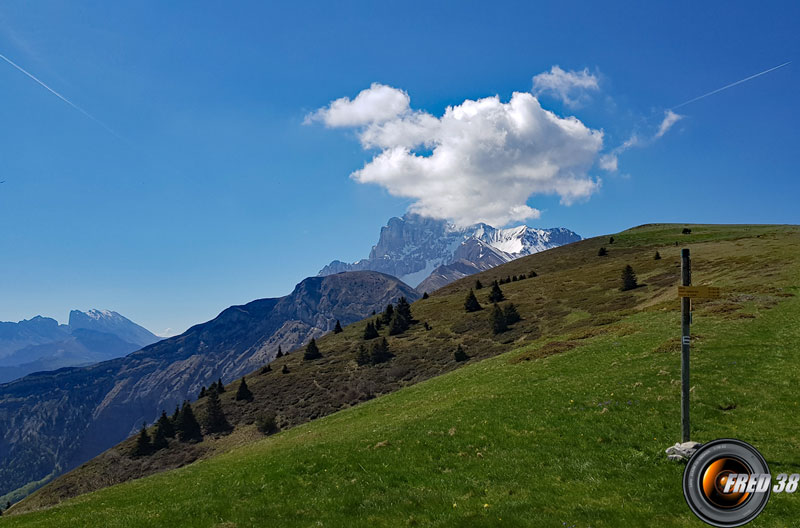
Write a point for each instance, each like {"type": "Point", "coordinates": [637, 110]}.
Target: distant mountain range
{"type": "Point", "coordinates": [429, 254]}
{"type": "Point", "coordinates": [41, 343]}
{"type": "Point", "coordinates": [51, 422]}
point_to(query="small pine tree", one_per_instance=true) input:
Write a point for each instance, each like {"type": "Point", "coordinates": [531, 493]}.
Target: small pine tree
{"type": "Point", "coordinates": [378, 324]}
{"type": "Point", "coordinates": [280, 352]}
{"type": "Point", "coordinates": [497, 320]}
{"type": "Point", "coordinates": [243, 393]}
{"type": "Point", "coordinates": [657, 256]}
{"type": "Point", "coordinates": [362, 356]}
{"type": "Point", "coordinates": [143, 446]}
{"type": "Point", "coordinates": [404, 311]}
{"type": "Point", "coordinates": [380, 352]}
{"type": "Point", "coordinates": [532, 274]}
{"type": "Point", "coordinates": [398, 325]}
{"type": "Point", "coordinates": [266, 423]}
{"type": "Point", "coordinates": [370, 332]}
{"type": "Point", "coordinates": [478, 284]}
{"type": "Point", "coordinates": [514, 278]}
{"type": "Point", "coordinates": [427, 326]}
{"type": "Point", "coordinates": [496, 295]}
{"type": "Point", "coordinates": [212, 387]}
{"type": "Point", "coordinates": [187, 428]}
{"type": "Point", "coordinates": [215, 420]}
{"type": "Point", "coordinates": [266, 368]}
{"type": "Point", "coordinates": [460, 355]}
{"type": "Point", "coordinates": [602, 252]}
{"type": "Point", "coordinates": [220, 386]}
{"type": "Point", "coordinates": [686, 231]}
{"type": "Point", "coordinates": [202, 393]}
{"type": "Point", "coordinates": [510, 313]}
{"type": "Point", "coordinates": [387, 315]}
{"type": "Point", "coordinates": [166, 425]}
{"type": "Point", "coordinates": [471, 304]}
{"type": "Point", "coordinates": [629, 281]}
{"type": "Point", "coordinates": [159, 438]}
{"type": "Point", "coordinates": [175, 416]}
{"type": "Point", "coordinates": [338, 328]}
{"type": "Point", "coordinates": [611, 240]}
{"type": "Point", "coordinates": [425, 295]}
{"type": "Point", "coordinates": [285, 370]}
{"type": "Point", "coordinates": [312, 351]}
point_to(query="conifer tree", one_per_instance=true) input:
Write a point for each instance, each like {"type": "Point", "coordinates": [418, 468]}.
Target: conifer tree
{"type": "Point", "coordinates": [202, 393]}
{"type": "Point", "coordinates": [285, 370]}
{"type": "Point", "coordinates": [611, 240]}
{"type": "Point", "coordinates": [159, 438]}
{"type": "Point", "coordinates": [602, 252]}
{"type": "Point", "coordinates": [215, 420]}
{"type": "Point", "coordinates": [362, 356]}
{"type": "Point", "coordinates": [510, 313]}
{"type": "Point", "coordinates": [312, 351]}
{"type": "Point", "coordinates": [496, 295]}
{"type": "Point", "coordinates": [497, 320]}
{"type": "Point", "coordinates": [266, 368]}
{"type": "Point", "coordinates": [657, 256]}
{"type": "Point", "coordinates": [143, 446]}
{"type": "Point", "coordinates": [220, 386]}
{"type": "Point", "coordinates": [471, 304]}
{"type": "Point", "coordinates": [387, 314]}
{"type": "Point", "coordinates": [460, 355]}
{"type": "Point", "coordinates": [380, 352]}
{"type": "Point", "coordinates": [378, 324]}
{"type": "Point", "coordinates": [175, 416]}
{"type": "Point", "coordinates": [370, 332]}
{"type": "Point", "coordinates": [266, 423]}
{"type": "Point", "coordinates": [532, 274]}
{"type": "Point", "coordinates": [280, 352]}
{"type": "Point", "coordinates": [514, 278]}
{"type": "Point", "coordinates": [243, 393]}
{"type": "Point", "coordinates": [425, 295]}
{"type": "Point", "coordinates": [404, 310]}
{"type": "Point", "coordinates": [187, 428]}
{"type": "Point", "coordinates": [629, 281]}
{"type": "Point", "coordinates": [166, 425]}
{"type": "Point", "coordinates": [398, 325]}
{"type": "Point", "coordinates": [478, 284]}
{"type": "Point", "coordinates": [338, 328]}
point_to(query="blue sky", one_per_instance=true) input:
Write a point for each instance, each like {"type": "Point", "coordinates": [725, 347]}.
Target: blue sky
{"type": "Point", "coordinates": [211, 191]}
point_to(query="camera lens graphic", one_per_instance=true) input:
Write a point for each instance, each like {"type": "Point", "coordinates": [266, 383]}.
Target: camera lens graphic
{"type": "Point", "coordinates": [716, 476]}
{"type": "Point", "coordinates": [706, 476]}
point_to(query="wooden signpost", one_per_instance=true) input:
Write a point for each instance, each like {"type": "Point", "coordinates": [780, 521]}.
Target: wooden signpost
{"type": "Point", "coordinates": [687, 292]}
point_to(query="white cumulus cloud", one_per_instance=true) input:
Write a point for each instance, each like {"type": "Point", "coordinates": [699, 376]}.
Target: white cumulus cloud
{"type": "Point", "coordinates": [569, 86]}
{"type": "Point", "coordinates": [376, 104]}
{"type": "Point", "coordinates": [479, 162]}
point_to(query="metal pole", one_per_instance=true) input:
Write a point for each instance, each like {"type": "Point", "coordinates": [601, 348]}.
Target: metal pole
{"type": "Point", "coordinates": [686, 319]}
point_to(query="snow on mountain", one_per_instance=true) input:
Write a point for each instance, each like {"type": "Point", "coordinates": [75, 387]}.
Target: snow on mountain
{"type": "Point", "coordinates": [111, 323]}
{"type": "Point", "coordinates": [414, 248]}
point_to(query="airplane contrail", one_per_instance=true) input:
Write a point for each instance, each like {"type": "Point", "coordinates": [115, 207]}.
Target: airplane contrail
{"type": "Point", "coordinates": [731, 85]}
{"type": "Point", "coordinates": [73, 105]}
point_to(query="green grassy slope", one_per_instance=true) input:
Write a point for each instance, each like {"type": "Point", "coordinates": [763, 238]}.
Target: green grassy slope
{"type": "Point", "coordinates": [567, 428]}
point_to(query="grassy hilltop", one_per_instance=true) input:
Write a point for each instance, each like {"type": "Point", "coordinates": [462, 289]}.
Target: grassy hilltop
{"type": "Point", "coordinates": [561, 421]}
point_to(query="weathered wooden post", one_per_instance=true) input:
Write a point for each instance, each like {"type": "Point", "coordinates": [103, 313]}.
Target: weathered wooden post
{"type": "Point", "coordinates": [686, 321]}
